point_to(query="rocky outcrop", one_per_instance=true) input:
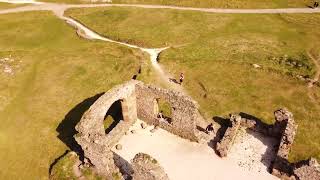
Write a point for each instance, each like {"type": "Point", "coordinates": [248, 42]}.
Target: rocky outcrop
{"type": "Point", "coordinates": [308, 171]}
{"type": "Point", "coordinates": [147, 168]}
{"type": "Point", "coordinates": [225, 144]}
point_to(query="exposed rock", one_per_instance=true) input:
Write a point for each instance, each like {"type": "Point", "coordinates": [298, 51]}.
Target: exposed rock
{"type": "Point", "coordinates": [118, 146]}
{"type": "Point", "coordinates": [257, 66]}
{"type": "Point", "coordinates": [143, 125]}
{"type": "Point", "coordinates": [147, 168]}
{"type": "Point", "coordinates": [310, 170]}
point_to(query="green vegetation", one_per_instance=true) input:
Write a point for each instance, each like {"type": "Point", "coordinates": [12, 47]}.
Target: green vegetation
{"type": "Point", "coordinates": [7, 5]}
{"type": "Point", "coordinates": [62, 170]}
{"type": "Point", "coordinates": [215, 51]}
{"type": "Point", "coordinates": [108, 121]}
{"type": "Point", "coordinates": [54, 71]}
{"type": "Point", "coordinates": [242, 4]}
{"type": "Point", "coordinates": [224, 4]}
{"type": "Point", "coordinates": [165, 108]}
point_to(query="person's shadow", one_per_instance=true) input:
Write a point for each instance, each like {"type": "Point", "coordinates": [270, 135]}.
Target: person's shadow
{"type": "Point", "coordinates": [66, 128]}
{"type": "Point", "coordinates": [174, 80]}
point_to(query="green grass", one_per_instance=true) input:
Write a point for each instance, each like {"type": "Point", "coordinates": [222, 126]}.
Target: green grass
{"type": "Point", "coordinates": [242, 4]}
{"type": "Point", "coordinates": [165, 108]}
{"type": "Point", "coordinates": [215, 51]}
{"type": "Point", "coordinates": [62, 170]}
{"type": "Point", "coordinates": [108, 121]}
{"type": "Point", "coordinates": [7, 5]}
{"type": "Point", "coordinates": [225, 3]}
{"type": "Point", "coordinates": [54, 71]}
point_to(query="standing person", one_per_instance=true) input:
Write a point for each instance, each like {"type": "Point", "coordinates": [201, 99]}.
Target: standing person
{"type": "Point", "coordinates": [181, 78]}
{"type": "Point", "coordinates": [209, 128]}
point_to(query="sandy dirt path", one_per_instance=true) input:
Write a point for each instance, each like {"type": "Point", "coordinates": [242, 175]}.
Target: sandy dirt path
{"type": "Point", "coordinates": [85, 32]}
{"type": "Point", "coordinates": [59, 9]}
{"type": "Point", "coordinates": [182, 159]}
{"type": "Point", "coordinates": [211, 10]}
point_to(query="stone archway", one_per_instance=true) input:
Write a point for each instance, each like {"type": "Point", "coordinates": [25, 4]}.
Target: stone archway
{"type": "Point", "coordinates": [92, 136]}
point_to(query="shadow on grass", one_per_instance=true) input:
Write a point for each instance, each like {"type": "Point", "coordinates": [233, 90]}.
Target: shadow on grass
{"type": "Point", "coordinates": [66, 128]}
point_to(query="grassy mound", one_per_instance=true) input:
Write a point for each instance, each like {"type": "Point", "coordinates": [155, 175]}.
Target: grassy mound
{"type": "Point", "coordinates": [53, 73]}
{"type": "Point", "coordinates": [216, 53]}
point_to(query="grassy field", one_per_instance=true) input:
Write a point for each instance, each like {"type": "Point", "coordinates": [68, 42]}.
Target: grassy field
{"type": "Point", "coordinates": [7, 5]}
{"type": "Point", "coordinates": [54, 78]}
{"type": "Point", "coordinates": [211, 3]}
{"type": "Point", "coordinates": [216, 51]}
{"type": "Point", "coordinates": [225, 3]}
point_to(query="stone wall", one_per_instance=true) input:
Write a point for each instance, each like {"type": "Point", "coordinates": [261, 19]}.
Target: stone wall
{"type": "Point", "coordinates": [92, 138]}
{"type": "Point", "coordinates": [285, 126]}
{"type": "Point", "coordinates": [147, 168]}
{"type": "Point", "coordinates": [225, 144]}
{"type": "Point", "coordinates": [308, 171]}
{"type": "Point", "coordinates": [184, 110]}
{"type": "Point", "coordinates": [137, 101]}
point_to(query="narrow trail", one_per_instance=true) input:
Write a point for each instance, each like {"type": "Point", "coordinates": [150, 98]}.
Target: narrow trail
{"type": "Point", "coordinates": [87, 33]}
{"type": "Point", "coordinates": [210, 10]}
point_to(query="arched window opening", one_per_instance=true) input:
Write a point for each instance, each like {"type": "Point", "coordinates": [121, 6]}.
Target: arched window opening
{"type": "Point", "coordinates": [163, 111]}
{"type": "Point", "coordinates": [113, 116]}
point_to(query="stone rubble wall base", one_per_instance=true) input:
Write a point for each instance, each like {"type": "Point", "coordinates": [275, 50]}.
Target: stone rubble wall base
{"type": "Point", "coordinates": [309, 170]}
{"type": "Point", "coordinates": [147, 168]}
{"type": "Point", "coordinates": [226, 142]}
{"type": "Point", "coordinates": [286, 126]}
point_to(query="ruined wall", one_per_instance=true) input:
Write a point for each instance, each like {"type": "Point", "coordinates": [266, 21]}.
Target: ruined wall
{"type": "Point", "coordinates": [226, 142]}
{"type": "Point", "coordinates": [184, 110]}
{"type": "Point", "coordinates": [92, 138]}
{"type": "Point", "coordinates": [285, 126]}
{"type": "Point", "coordinates": [137, 100]}
{"type": "Point", "coordinates": [309, 170]}
{"type": "Point", "coordinates": [147, 168]}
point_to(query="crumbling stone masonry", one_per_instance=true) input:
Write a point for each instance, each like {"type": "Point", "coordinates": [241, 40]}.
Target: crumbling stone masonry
{"type": "Point", "coordinates": [137, 101]}
{"type": "Point", "coordinates": [184, 110]}
{"type": "Point", "coordinates": [92, 138]}
{"type": "Point", "coordinates": [147, 168]}
{"type": "Point", "coordinates": [225, 144]}
{"type": "Point", "coordinates": [309, 170]}
{"type": "Point", "coordinates": [285, 126]}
